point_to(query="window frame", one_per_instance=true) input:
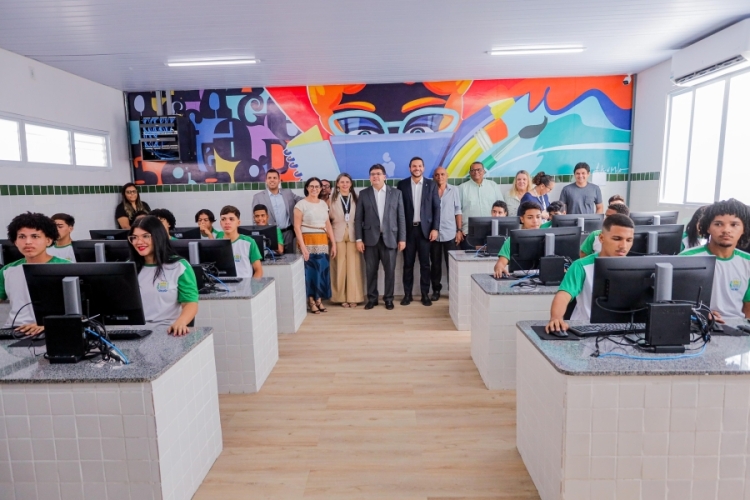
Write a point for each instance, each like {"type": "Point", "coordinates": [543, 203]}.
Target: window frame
{"type": "Point", "coordinates": [727, 79]}
{"type": "Point", "coordinates": [71, 130]}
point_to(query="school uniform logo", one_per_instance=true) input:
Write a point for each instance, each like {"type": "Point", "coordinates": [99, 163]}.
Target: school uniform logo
{"type": "Point", "coordinates": [162, 286]}
{"type": "Point", "coordinates": [734, 285]}
{"type": "Point", "coordinates": [237, 257]}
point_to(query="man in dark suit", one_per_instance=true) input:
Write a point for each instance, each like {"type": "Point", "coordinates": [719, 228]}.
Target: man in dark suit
{"type": "Point", "coordinates": [422, 212]}
{"type": "Point", "coordinates": [281, 207]}
{"type": "Point", "coordinates": [380, 231]}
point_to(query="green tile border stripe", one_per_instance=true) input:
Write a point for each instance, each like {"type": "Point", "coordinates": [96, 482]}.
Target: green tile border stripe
{"type": "Point", "coordinates": [47, 190]}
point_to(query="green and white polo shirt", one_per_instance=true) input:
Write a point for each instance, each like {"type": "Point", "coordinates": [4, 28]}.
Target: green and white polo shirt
{"type": "Point", "coordinates": [579, 283]}
{"type": "Point", "coordinates": [592, 244]}
{"type": "Point", "coordinates": [505, 249]}
{"type": "Point", "coordinates": [162, 295]}
{"type": "Point", "coordinates": [245, 252]}
{"type": "Point", "coordinates": [546, 225]}
{"type": "Point", "coordinates": [686, 244]}
{"type": "Point", "coordinates": [64, 252]}
{"type": "Point", "coordinates": [214, 232]}
{"type": "Point", "coordinates": [13, 288]}
{"type": "Point", "coordinates": [731, 282]}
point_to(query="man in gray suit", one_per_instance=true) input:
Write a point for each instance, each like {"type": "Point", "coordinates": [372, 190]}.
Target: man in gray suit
{"type": "Point", "coordinates": [281, 207]}
{"type": "Point", "coordinates": [380, 230]}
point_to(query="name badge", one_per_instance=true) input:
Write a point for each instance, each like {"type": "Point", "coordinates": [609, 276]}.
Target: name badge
{"type": "Point", "coordinates": [346, 217]}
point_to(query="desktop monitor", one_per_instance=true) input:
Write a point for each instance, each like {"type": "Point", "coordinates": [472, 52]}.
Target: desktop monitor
{"type": "Point", "coordinates": [109, 234]}
{"type": "Point", "coordinates": [647, 218]}
{"type": "Point", "coordinates": [114, 250]}
{"type": "Point", "coordinates": [627, 284]}
{"type": "Point", "coordinates": [269, 238]}
{"type": "Point", "coordinates": [109, 290]}
{"type": "Point", "coordinates": [527, 246]}
{"type": "Point", "coordinates": [591, 222]}
{"type": "Point", "coordinates": [9, 252]}
{"type": "Point", "coordinates": [186, 233]}
{"type": "Point", "coordinates": [481, 227]}
{"type": "Point", "coordinates": [669, 240]}
{"type": "Point", "coordinates": [216, 252]}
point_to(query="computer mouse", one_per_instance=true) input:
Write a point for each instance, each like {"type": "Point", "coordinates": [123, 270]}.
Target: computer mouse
{"type": "Point", "coordinates": [559, 333]}
{"type": "Point", "coordinates": [717, 328]}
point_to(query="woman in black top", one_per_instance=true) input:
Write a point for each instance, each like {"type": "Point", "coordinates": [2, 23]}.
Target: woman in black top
{"type": "Point", "coordinates": [131, 203]}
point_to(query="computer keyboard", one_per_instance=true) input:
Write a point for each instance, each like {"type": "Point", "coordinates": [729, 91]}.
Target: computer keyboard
{"type": "Point", "coordinates": [127, 334]}
{"type": "Point", "coordinates": [9, 334]}
{"type": "Point", "coordinates": [230, 279]}
{"type": "Point", "coordinates": [607, 329]}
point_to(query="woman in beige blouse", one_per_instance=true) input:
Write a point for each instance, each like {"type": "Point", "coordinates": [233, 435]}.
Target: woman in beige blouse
{"type": "Point", "coordinates": [521, 186]}
{"type": "Point", "coordinates": [346, 268]}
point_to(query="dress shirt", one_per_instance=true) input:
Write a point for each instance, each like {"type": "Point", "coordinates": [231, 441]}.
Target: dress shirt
{"type": "Point", "coordinates": [450, 206]}
{"type": "Point", "coordinates": [279, 210]}
{"type": "Point", "coordinates": [416, 196]}
{"type": "Point", "coordinates": [380, 200]}
{"type": "Point", "coordinates": [477, 200]}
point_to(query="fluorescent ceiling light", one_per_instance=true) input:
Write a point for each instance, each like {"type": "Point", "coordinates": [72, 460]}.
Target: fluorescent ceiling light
{"type": "Point", "coordinates": [214, 62]}
{"type": "Point", "coordinates": [536, 49]}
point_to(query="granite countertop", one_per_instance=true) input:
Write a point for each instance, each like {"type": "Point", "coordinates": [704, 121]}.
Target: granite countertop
{"type": "Point", "coordinates": [462, 256]}
{"type": "Point", "coordinates": [282, 260]}
{"type": "Point", "coordinates": [149, 358]}
{"type": "Point", "coordinates": [503, 287]}
{"type": "Point", "coordinates": [245, 289]}
{"type": "Point", "coordinates": [723, 356]}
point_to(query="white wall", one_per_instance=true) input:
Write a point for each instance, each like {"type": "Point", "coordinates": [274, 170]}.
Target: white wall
{"type": "Point", "coordinates": [34, 90]}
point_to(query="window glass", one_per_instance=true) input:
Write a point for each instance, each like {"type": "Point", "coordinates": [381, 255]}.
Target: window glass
{"type": "Point", "coordinates": [735, 170]}
{"type": "Point", "coordinates": [47, 145]}
{"type": "Point", "coordinates": [10, 148]}
{"type": "Point", "coordinates": [91, 150]}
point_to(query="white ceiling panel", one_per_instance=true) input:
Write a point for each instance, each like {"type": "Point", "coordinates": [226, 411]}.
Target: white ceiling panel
{"type": "Point", "coordinates": [125, 44]}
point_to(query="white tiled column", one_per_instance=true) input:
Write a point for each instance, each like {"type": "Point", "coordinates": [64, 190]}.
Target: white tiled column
{"type": "Point", "coordinates": [291, 308]}
{"type": "Point", "coordinates": [245, 337]}
{"type": "Point", "coordinates": [493, 332]}
{"type": "Point", "coordinates": [133, 441]}
{"type": "Point", "coordinates": [460, 288]}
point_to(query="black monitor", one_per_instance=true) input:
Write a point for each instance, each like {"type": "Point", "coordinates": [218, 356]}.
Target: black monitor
{"type": "Point", "coordinates": [269, 238]}
{"type": "Point", "coordinates": [647, 218]}
{"type": "Point", "coordinates": [627, 284]}
{"type": "Point", "coordinates": [186, 233]}
{"type": "Point", "coordinates": [109, 290]}
{"type": "Point", "coordinates": [216, 252]}
{"type": "Point", "coordinates": [109, 234]}
{"type": "Point", "coordinates": [9, 252]}
{"type": "Point", "coordinates": [591, 222]}
{"type": "Point", "coordinates": [527, 246]}
{"type": "Point", "coordinates": [114, 251]}
{"type": "Point", "coordinates": [669, 240]}
{"type": "Point", "coordinates": [481, 227]}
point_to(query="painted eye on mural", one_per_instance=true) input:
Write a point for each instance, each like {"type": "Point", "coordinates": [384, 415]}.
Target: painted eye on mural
{"type": "Point", "coordinates": [360, 126]}
{"type": "Point", "coordinates": [425, 124]}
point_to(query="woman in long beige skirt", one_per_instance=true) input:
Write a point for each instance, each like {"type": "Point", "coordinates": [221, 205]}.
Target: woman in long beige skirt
{"type": "Point", "coordinates": [346, 268]}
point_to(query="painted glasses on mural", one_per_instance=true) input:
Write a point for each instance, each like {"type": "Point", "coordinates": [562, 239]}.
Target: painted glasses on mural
{"type": "Point", "coordinates": [507, 125]}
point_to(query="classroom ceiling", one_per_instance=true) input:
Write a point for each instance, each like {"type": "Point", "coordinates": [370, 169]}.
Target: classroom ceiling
{"type": "Point", "coordinates": [126, 43]}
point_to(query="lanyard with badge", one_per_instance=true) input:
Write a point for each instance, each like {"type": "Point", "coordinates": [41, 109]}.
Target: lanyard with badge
{"type": "Point", "coordinates": [347, 204]}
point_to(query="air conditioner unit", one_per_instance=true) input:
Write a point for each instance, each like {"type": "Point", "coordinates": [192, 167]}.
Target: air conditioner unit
{"type": "Point", "coordinates": [721, 53]}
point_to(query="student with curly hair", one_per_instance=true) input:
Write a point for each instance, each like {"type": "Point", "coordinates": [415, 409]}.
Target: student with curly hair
{"type": "Point", "coordinates": [726, 225]}
{"type": "Point", "coordinates": [166, 217]}
{"type": "Point", "coordinates": [32, 233]}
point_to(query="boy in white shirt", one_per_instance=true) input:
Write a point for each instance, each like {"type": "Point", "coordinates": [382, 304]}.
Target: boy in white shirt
{"type": "Point", "coordinates": [246, 253]}
{"type": "Point", "coordinates": [63, 247]}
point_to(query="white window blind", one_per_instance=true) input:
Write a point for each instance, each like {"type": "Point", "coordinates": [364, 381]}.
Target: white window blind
{"type": "Point", "coordinates": [47, 145]}
{"type": "Point", "coordinates": [10, 146]}
{"type": "Point", "coordinates": [91, 150]}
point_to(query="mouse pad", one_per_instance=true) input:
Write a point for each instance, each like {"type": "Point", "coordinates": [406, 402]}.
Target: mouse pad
{"type": "Point", "coordinates": [28, 342]}
{"type": "Point", "coordinates": [539, 330]}
{"type": "Point", "coordinates": [729, 332]}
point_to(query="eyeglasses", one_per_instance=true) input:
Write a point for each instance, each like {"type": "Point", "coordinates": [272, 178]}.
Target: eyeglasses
{"type": "Point", "coordinates": [311, 186]}
{"type": "Point", "coordinates": [133, 238]}
{"type": "Point", "coordinates": [475, 170]}
{"type": "Point", "coordinates": [131, 192]}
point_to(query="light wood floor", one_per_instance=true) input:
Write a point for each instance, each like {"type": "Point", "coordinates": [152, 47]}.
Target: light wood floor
{"type": "Point", "coordinates": [371, 405]}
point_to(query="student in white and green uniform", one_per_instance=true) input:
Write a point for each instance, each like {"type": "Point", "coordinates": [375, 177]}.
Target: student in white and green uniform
{"type": "Point", "coordinates": [246, 253]}
{"type": "Point", "coordinates": [260, 216]}
{"type": "Point", "coordinates": [169, 292]}
{"type": "Point", "coordinates": [616, 240]}
{"type": "Point", "coordinates": [592, 244]}
{"type": "Point", "coordinates": [691, 238]}
{"type": "Point", "coordinates": [530, 214]}
{"type": "Point", "coordinates": [32, 233]}
{"type": "Point", "coordinates": [205, 220]}
{"type": "Point", "coordinates": [727, 224]}
{"type": "Point", "coordinates": [554, 208]}
{"type": "Point", "coordinates": [63, 247]}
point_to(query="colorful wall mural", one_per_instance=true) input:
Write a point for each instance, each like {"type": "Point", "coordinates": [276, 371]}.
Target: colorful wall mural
{"type": "Point", "coordinates": [545, 124]}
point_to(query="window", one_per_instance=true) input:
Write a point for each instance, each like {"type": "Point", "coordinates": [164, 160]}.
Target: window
{"type": "Point", "coordinates": [10, 147]}
{"type": "Point", "coordinates": [706, 132]}
{"type": "Point", "coordinates": [33, 143]}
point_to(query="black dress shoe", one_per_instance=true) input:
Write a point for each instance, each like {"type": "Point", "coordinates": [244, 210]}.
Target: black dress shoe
{"type": "Point", "coordinates": [389, 304]}
{"type": "Point", "coordinates": [435, 296]}
{"type": "Point", "coordinates": [406, 300]}
{"type": "Point", "coordinates": [426, 300]}
{"type": "Point", "coordinates": [370, 305]}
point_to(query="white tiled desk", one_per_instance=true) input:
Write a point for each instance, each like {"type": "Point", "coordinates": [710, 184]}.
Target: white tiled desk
{"type": "Point", "coordinates": [289, 273]}
{"type": "Point", "coordinates": [462, 266]}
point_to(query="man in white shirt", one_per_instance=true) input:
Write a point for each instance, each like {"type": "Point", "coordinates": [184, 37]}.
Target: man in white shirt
{"type": "Point", "coordinates": [449, 233]}
{"type": "Point", "coordinates": [477, 195]}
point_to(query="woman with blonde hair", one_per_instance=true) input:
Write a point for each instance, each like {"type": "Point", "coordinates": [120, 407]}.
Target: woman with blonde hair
{"type": "Point", "coordinates": [346, 269]}
{"type": "Point", "coordinates": [521, 185]}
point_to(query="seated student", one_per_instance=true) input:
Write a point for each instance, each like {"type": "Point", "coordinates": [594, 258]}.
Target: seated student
{"type": "Point", "coordinates": [592, 244]}
{"type": "Point", "coordinates": [554, 208]}
{"type": "Point", "coordinates": [260, 216]}
{"type": "Point", "coordinates": [531, 218]}
{"type": "Point", "coordinates": [168, 287]}
{"type": "Point", "coordinates": [63, 247]}
{"type": "Point", "coordinates": [615, 198]}
{"type": "Point", "coordinates": [140, 214]}
{"type": "Point", "coordinates": [726, 224]}
{"type": "Point", "coordinates": [32, 234]}
{"type": "Point", "coordinates": [616, 241]}
{"type": "Point", "coordinates": [246, 252]}
{"type": "Point", "coordinates": [499, 209]}
{"type": "Point", "coordinates": [166, 218]}
{"type": "Point", "coordinates": [205, 220]}
{"type": "Point", "coordinates": [691, 237]}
